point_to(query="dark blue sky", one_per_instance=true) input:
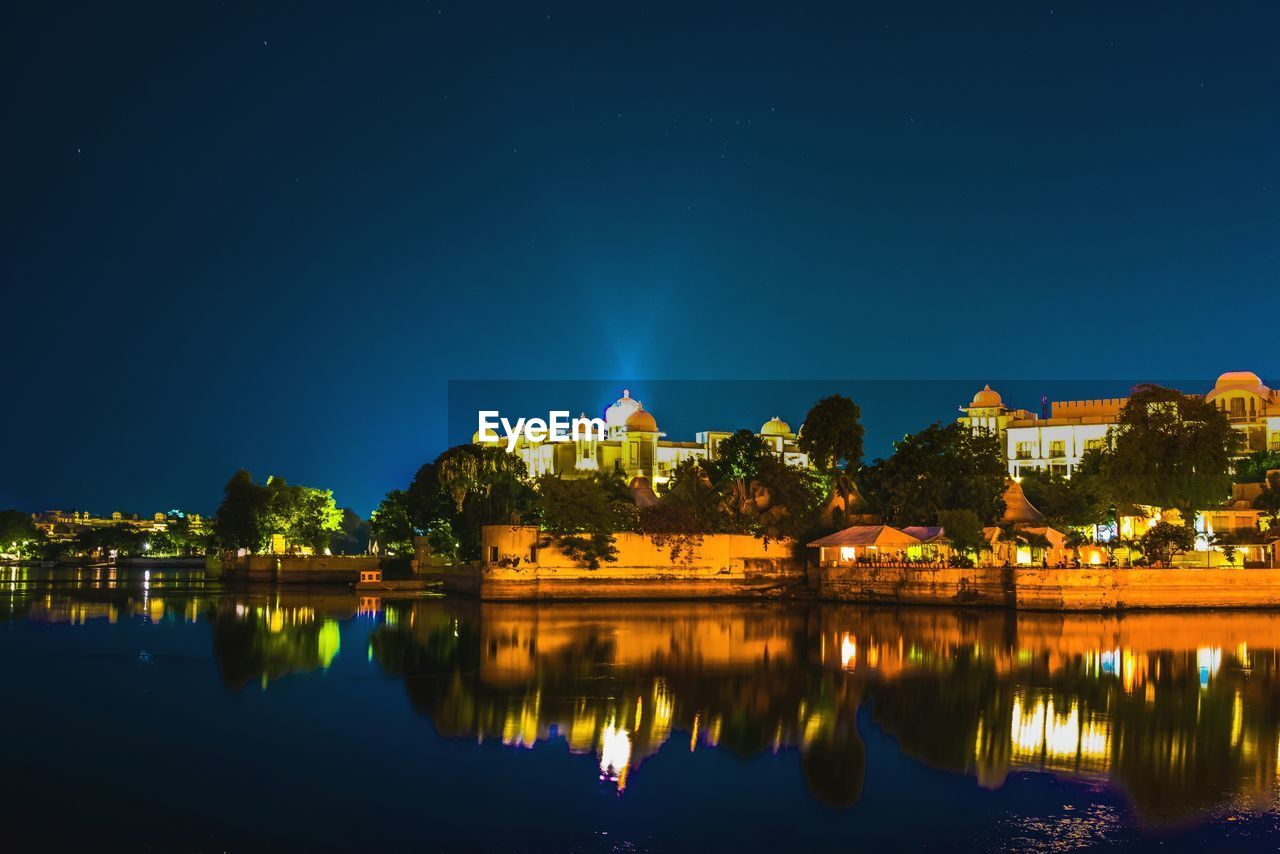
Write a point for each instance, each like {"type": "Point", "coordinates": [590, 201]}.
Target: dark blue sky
{"type": "Point", "coordinates": [267, 236]}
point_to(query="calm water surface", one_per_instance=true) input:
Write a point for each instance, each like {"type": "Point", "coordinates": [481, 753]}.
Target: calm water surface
{"type": "Point", "coordinates": [163, 713]}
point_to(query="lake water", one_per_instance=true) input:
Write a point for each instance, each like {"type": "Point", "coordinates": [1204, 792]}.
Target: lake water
{"type": "Point", "coordinates": [160, 712]}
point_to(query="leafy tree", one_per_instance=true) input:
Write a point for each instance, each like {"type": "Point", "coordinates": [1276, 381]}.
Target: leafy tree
{"type": "Point", "coordinates": [940, 468]}
{"type": "Point", "coordinates": [485, 470]}
{"type": "Point", "coordinates": [467, 487]}
{"type": "Point", "coordinates": [250, 514]}
{"type": "Point", "coordinates": [123, 540]}
{"type": "Point", "coordinates": [1254, 468]}
{"type": "Point", "coordinates": [18, 534]}
{"type": "Point", "coordinates": [1268, 501]}
{"type": "Point", "coordinates": [391, 525]}
{"type": "Point", "coordinates": [1164, 541]}
{"type": "Point", "coordinates": [580, 518]}
{"type": "Point", "coordinates": [964, 529]}
{"type": "Point", "coordinates": [239, 522]}
{"type": "Point", "coordinates": [1170, 450]}
{"type": "Point", "coordinates": [1067, 502]}
{"type": "Point", "coordinates": [833, 432]}
{"type": "Point", "coordinates": [304, 515]}
{"type": "Point", "coordinates": [352, 536]}
{"type": "Point", "coordinates": [185, 539]}
{"type": "Point", "coordinates": [692, 488]}
{"type": "Point", "coordinates": [1226, 542]}
{"type": "Point", "coordinates": [787, 500]}
{"type": "Point", "coordinates": [741, 455]}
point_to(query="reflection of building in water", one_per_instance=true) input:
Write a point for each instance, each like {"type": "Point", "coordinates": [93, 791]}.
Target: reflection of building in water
{"type": "Point", "coordinates": [266, 640]}
{"type": "Point", "coordinates": [619, 681]}
{"type": "Point", "coordinates": [1177, 708]}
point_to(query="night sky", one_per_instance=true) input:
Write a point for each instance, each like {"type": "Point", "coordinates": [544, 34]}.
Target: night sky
{"type": "Point", "coordinates": [268, 236]}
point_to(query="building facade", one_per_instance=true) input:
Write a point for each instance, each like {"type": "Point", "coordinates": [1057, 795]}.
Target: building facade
{"type": "Point", "coordinates": [635, 446]}
{"type": "Point", "coordinates": [1058, 443]}
{"type": "Point", "coordinates": [61, 525]}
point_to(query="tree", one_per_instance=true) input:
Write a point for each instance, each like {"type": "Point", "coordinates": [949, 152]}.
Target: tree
{"type": "Point", "coordinates": [467, 487]}
{"type": "Point", "coordinates": [1268, 501]}
{"type": "Point", "coordinates": [1067, 502]}
{"type": "Point", "coordinates": [483, 470]}
{"type": "Point", "coordinates": [304, 515]}
{"type": "Point", "coordinates": [832, 432]}
{"type": "Point", "coordinates": [391, 525]}
{"type": "Point", "coordinates": [691, 487]}
{"type": "Point", "coordinates": [786, 500]}
{"type": "Point", "coordinates": [964, 529]}
{"type": "Point", "coordinates": [184, 538]}
{"type": "Point", "coordinates": [740, 456]}
{"type": "Point", "coordinates": [580, 518]}
{"type": "Point", "coordinates": [315, 520]}
{"type": "Point", "coordinates": [940, 468]}
{"type": "Point", "coordinates": [239, 522]}
{"type": "Point", "coordinates": [1164, 541]}
{"type": "Point", "coordinates": [18, 534]}
{"type": "Point", "coordinates": [352, 536]}
{"type": "Point", "coordinates": [250, 514]}
{"type": "Point", "coordinates": [1170, 450]}
{"type": "Point", "coordinates": [1254, 468]}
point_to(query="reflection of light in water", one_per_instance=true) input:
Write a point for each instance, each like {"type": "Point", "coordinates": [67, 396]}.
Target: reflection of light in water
{"type": "Point", "coordinates": [615, 754]}
{"type": "Point", "coordinates": [664, 705]}
{"type": "Point", "coordinates": [848, 651]}
{"type": "Point", "coordinates": [582, 730]}
{"type": "Point", "coordinates": [1208, 660]}
{"type": "Point", "coordinates": [812, 727]}
{"type": "Point", "coordinates": [329, 642]}
{"type": "Point", "coordinates": [1041, 728]}
{"type": "Point", "coordinates": [1237, 718]}
{"type": "Point", "coordinates": [693, 735]}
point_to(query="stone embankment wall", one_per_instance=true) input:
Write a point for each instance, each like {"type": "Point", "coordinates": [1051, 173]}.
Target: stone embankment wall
{"type": "Point", "coordinates": [950, 586]}
{"type": "Point", "coordinates": [1088, 589]}
{"type": "Point", "coordinates": [517, 567]}
{"type": "Point", "coordinates": [772, 580]}
{"type": "Point", "coordinates": [1103, 589]}
{"type": "Point", "coordinates": [299, 568]}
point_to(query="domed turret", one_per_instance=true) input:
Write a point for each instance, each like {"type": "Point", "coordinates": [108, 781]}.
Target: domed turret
{"type": "Point", "coordinates": [617, 413]}
{"type": "Point", "coordinates": [987, 397]}
{"type": "Point", "coordinates": [775, 426]}
{"type": "Point", "coordinates": [1238, 381]}
{"type": "Point", "coordinates": [641, 421]}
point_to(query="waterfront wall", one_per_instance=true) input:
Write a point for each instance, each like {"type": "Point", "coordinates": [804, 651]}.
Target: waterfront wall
{"type": "Point", "coordinates": [1105, 589]}
{"type": "Point", "coordinates": [299, 568]}
{"type": "Point", "coordinates": [898, 585]}
{"type": "Point", "coordinates": [1030, 589]}
{"type": "Point", "coordinates": [715, 566]}
{"type": "Point", "coordinates": [621, 582]}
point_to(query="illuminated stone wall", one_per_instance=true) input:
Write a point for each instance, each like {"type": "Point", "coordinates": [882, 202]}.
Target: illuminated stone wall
{"type": "Point", "coordinates": [1088, 589]}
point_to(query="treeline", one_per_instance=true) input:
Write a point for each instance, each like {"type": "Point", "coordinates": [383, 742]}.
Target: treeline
{"type": "Point", "coordinates": [249, 517]}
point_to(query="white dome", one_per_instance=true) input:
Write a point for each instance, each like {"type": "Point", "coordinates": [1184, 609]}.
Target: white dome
{"type": "Point", "coordinates": [617, 413]}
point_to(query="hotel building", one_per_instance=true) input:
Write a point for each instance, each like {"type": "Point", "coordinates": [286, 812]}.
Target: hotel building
{"type": "Point", "coordinates": [635, 446]}
{"type": "Point", "coordinates": [1058, 443]}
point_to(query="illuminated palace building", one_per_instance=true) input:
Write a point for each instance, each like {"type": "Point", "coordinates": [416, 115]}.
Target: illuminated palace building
{"type": "Point", "coordinates": [635, 446]}
{"type": "Point", "coordinates": [1058, 443]}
